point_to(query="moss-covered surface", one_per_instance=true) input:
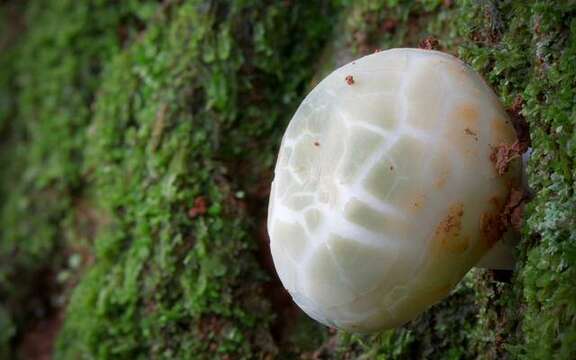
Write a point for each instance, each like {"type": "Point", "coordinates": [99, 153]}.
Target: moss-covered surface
{"type": "Point", "coordinates": [51, 58]}
{"type": "Point", "coordinates": [190, 111]}
{"type": "Point", "coordinates": [137, 144]}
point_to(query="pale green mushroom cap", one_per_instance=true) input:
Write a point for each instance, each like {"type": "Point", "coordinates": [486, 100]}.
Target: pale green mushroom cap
{"type": "Point", "coordinates": [384, 193]}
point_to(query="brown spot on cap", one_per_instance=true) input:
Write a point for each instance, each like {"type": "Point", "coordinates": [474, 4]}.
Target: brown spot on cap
{"type": "Point", "coordinates": [491, 228]}
{"type": "Point", "coordinates": [471, 133]}
{"type": "Point", "coordinates": [496, 202]}
{"type": "Point", "coordinates": [448, 235]}
{"type": "Point", "coordinates": [513, 212]}
{"type": "Point", "coordinates": [349, 79]}
{"type": "Point", "coordinates": [442, 170]}
{"type": "Point", "coordinates": [469, 114]}
{"type": "Point", "coordinates": [440, 181]}
{"type": "Point", "coordinates": [463, 129]}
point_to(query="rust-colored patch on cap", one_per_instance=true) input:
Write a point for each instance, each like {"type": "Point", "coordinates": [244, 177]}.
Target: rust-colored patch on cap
{"type": "Point", "coordinates": [441, 180]}
{"type": "Point", "coordinates": [442, 170]}
{"type": "Point", "coordinates": [463, 128]}
{"type": "Point", "coordinates": [513, 212]}
{"type": "Point", "coordinates": [419, 201]}
{"type": "Point", "coordinates": [503, 154]}
{"type": "Point", "coordinates": [468, 113]}
{"type": "Point", "coordinates": [448, 235]}
{"type": "Point", "coordinates": [470, 132]}
{"type": "Point", "coordinates": [491, 228]}
{"type": "Point", "coordinates": [496, 202]}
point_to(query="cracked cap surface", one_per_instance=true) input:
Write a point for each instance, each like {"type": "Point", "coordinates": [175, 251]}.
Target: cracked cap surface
{"type": "Point", "coordinates": [383, 185]}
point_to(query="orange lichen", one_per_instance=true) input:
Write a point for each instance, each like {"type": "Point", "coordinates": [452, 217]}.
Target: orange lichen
{"type": "Point", "coordinates": [448, 235]}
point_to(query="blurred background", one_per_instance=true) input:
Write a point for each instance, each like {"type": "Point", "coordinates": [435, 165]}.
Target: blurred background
{"type": "Point", "coordinates": [137, 140]}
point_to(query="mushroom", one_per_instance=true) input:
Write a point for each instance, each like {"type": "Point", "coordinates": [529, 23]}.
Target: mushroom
{"type": "Point", "coordinates": [384, 192]}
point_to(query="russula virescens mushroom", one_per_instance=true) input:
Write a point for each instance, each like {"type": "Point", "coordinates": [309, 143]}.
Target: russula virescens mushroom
{"type": "Point", "coordinates": [385, 193]}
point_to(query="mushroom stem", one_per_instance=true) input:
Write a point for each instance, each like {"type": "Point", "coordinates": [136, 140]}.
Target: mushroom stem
{"type": "Point", "coordinates": [501, 255]}
{"type": "Point", "coordinates": [525, 185]}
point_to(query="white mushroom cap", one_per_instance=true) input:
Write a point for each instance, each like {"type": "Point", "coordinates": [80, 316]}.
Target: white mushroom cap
{"type": "Point", "coordinates": [384, 193]}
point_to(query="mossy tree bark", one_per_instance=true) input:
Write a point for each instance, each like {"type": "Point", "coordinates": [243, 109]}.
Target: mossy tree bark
{"type": "Point", "coordinates": [138, 139]}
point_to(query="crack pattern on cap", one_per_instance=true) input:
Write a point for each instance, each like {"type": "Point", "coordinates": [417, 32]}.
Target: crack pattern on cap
{"type": "Point", "coordinates": [381, 186]}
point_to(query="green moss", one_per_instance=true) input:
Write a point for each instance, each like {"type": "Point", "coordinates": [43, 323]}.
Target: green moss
{"type": "Point", "coordinates": [524, 49]}
{"type": "Point", "coordinates": [47, 82]}
{"type": "Point", "coordinates": [533, 59]}
{"type": "Point", "coordinates": [206, 85]}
